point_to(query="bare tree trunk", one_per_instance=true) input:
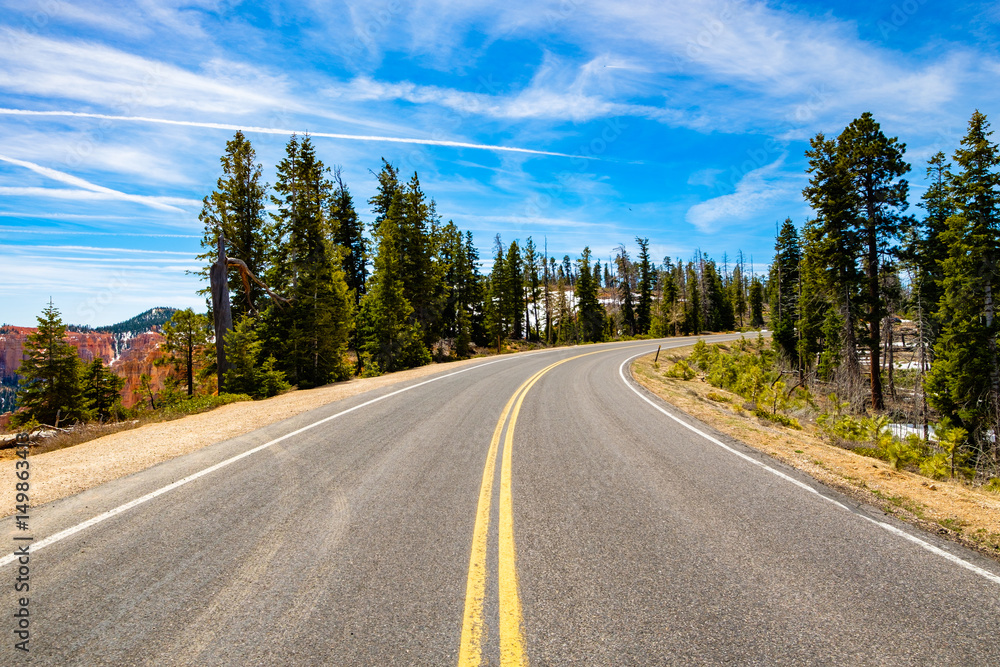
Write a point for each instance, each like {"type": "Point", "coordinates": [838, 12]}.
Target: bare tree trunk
{"type": "Point", "coordinates": [874, 320]}
{"type": "Point", "coordinates": [221, 309]}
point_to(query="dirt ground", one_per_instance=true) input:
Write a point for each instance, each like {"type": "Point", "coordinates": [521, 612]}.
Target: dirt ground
{"type": "Point", "coordinates": [949, 508]}
{"type": "Point", "coordinates": [64, 472]}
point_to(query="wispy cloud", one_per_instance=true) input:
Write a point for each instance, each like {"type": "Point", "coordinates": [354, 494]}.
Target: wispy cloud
{"type": "Point", "coordinates": [271, 130]}
{"type": "Point", "coordinates": [757, 192]}
{"type": "Point", "coordinates": [92, 190]}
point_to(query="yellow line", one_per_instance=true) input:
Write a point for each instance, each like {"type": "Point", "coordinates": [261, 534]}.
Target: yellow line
{"type": "Point", "coordinates": [470, 651]}
{"type": "Point", "coordinates": [511, 635]}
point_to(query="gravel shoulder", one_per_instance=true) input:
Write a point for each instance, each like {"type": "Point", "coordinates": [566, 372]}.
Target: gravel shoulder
{"type": "Point", "coordinates": [948, 508]}
{"type": "Point", "coordinates": [69, 471]}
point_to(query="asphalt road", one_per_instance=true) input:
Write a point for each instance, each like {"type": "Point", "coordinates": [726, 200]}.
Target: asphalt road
{"type": "Point", "coordinates": [413, 530]}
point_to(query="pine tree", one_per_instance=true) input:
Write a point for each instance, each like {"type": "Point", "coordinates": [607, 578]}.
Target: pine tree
{"type": "Point", "coordinates": [246, 373]}
{"type": "Point", "coordinates": [785, 294]}
{"type": "Point", "coordinates": [310, 333]}
{"type": "Point", "coordinates": [236, 208]}
{"type": "Point", "coordinates": [627, 307]}
{"type": "Point", "coordinates": [497, 323]}
{"type": "Point", "coordinates": [186, 336]}
{"type": "Point", "coordinates": [837, 243]}
{"type": "Point", "coordinates": [592, 313]}
{"type": "Point", "coordinates": [756, 303]}
{"type": "Point", "coordinates": [927, 248]}
{"type": "Point", "coordinates": [102, 390]}
{"type": "Point", "coordinates": [815, 308]}
{"type": "Point", "coordinates": [389, 336]}
{"type": "Point", "coordinates": [964, 381]}
{"type": "Point", "coordinates": [513, 295]}
{"type": "Point", "coordinates": [693, 322]}
{"type": "Point", "coordinates": [388, 186]}
{"type": "Point", "coordinates": [532, 284]}
{"type": "Point", "coordinates": [647, 275]}
{"type": "Point", "coordinates": [423, 273]}
{"type": "Point", "coordinates": [348, 234]}
{"type": "Point", "coordinates": [50, 388]}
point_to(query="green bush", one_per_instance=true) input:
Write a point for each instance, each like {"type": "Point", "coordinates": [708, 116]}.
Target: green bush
{"type": "Point", "coordinates": [778, 418]}
{"type": "Point", "coordinates": [717, 397]}
{"type": "Point", "coordinates": [936, 466]}
{"type": "Point", "coordinates": [680, 370]}
{"type": "Point", "coordinates": [197, 404]}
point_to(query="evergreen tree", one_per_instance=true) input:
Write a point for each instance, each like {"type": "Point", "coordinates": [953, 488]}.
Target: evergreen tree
{"type": "Point", "coordinates": [102, 390]}
{"type": "Point", "coordinates": [756, 303]}
{"type": "Point", "coordinates": [348, 234]}
{"type": "Point", "coordinates": [647, 274]}
{"type": "Point", "coordinates": [513, 290]}
{"type": "Point", "coordinates": [187, 334]}
{"type": "Point", "coordinates": [692, 305]}
{"type": "Point", "coordinates": [720, 310]}
{"type": "Point", "coordinates": [423, 273]}
{"type": "Point", "coordinates": [310, 333]}
{"type": "Point", "coordinates": [669, 281]}
{"type": "Point", "coordinates": [476, 293]}
{"type": "Point", "coordinates": [785, 292]}
{"type": "Point", "coordinates": [875, 163]}
{"type": "Point", "coordinates": [498, 324]}
{"type": "Point", "coordinates": [964, 381]}
{"type": "Point", "coordinates": [246, 374]}
{"type": "Point", "coordinates": [837, 243]}
{"type": "Point", "coordinates": [592, 313]}
{"type": "Point", "coordinates": [236, 208]}
{"type": "Point", "coordinates": [927, 248]}
{"type": "Point", "coordinates": [627, 307]}
{"type": "Point", "coordinates": [391, 340]}
{"type": "Point", "coordinates": [50, 388]}
{"type": "Point", "coordinates": [388, 186]}
{"type": "Point", "coordinates": [817, 311]}
{"type": "Point", "coordinates": [532, 284]}
{"type": "Point", "coordinates": [737, 294]}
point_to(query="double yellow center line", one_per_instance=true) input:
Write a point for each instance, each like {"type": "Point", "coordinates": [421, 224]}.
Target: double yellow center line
{"type": "Point", "coordinates": [511, 637]}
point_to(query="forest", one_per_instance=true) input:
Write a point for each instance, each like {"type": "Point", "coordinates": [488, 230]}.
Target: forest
{"type": "Point", "coordinates": [318, 295]}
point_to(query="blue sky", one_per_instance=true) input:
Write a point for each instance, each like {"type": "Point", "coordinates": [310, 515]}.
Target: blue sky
{"type": "Point", "coordinates": [684, 122]}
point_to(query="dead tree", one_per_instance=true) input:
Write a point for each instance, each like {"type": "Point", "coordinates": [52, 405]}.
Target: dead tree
{"type": "Point", "coordinates": [221, 308]}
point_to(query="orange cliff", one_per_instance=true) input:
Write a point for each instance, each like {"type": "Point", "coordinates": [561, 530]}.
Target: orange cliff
{"type": "Point", "coordinates": [135, 360]}
{"type": "Point", "coordinates": [138, 359]}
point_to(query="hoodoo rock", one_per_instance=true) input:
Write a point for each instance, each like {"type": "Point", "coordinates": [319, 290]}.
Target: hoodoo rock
{"type": "Point", "coordinates": [136, 358]}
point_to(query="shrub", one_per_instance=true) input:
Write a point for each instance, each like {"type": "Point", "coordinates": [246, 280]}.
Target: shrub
{"type": "Point", "coordinates": [778, 418]}
{"type": "Point", "coordinates": [680, 370]}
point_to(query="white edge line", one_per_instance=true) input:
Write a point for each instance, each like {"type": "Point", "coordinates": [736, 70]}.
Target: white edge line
{"type": "Point", "coordinates": [63, 534]}
{"type": "Point", "coordinates": [881, 524]}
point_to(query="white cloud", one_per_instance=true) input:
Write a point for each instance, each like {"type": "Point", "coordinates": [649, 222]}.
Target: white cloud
{"type": "Point", "coordinates": [270, 130]}
{"type": "Point", "coordinates": [110, 78]}
{"type": "Point", "coordinates": [757, 192]}
{"type": "Point", "coordinates": [94, 191]}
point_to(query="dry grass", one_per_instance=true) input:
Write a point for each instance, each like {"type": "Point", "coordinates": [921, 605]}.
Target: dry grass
{"type": "Point", "coordinates": [951, 508]}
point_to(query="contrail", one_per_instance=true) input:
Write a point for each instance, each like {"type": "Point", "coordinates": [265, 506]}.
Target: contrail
{"type": "Point", "coordinates": [271, 130]}
{"type": "Point", "coordinates": [84, 185]}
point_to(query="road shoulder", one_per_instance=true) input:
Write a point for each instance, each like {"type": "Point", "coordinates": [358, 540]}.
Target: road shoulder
{"type": "Point", "coordinates": [946, 508]}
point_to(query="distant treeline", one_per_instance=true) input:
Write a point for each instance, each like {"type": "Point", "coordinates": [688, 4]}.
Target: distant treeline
{"type": "Point", "coordinates": [407, 286]}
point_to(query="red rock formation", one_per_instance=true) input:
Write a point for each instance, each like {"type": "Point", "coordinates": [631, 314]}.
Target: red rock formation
{"type": "Point", "coordinates": [12, 349]}
{"type": "Point", "coordinates": [135, 360]}
{"type": "Point", "coordinates": [90, 345]}
{"type": "Point", "coordinates": [138, 359]}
